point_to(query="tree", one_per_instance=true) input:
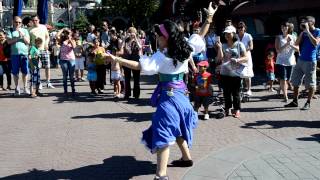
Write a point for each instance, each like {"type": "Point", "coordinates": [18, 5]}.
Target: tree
{"type": "Point", "coordinates": [82, 22]}
{"type": "Point", "coordinates": [135, 10]}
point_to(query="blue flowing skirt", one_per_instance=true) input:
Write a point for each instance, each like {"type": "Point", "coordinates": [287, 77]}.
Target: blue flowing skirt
{"type": "Point", "coordinates": [174, 117]}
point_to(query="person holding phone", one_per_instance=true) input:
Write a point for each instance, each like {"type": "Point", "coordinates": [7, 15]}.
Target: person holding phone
{"type": "Point", "coordinates": [306, 66]}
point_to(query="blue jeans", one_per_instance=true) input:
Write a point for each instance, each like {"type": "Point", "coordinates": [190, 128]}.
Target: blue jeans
{"type": "Point", "coordinates": [67, 67]}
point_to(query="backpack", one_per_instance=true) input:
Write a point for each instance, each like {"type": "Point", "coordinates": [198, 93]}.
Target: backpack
{"type": "Point", "coordinates": [7, 47]}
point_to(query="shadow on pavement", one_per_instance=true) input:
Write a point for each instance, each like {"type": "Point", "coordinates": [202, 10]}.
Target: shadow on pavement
{"type": "Point", "coordinates": [114, 168]}
{"type": "Point", "coordinates": [265, 109]}
{"type": "Point", "coordinates": [130, 117]}
{"type": "Point", "coordinates": [282, 124]}
{"type": "Point", "coordinates": [314, 137]}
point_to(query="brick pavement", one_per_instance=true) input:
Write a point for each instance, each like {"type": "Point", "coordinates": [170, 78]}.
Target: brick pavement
{"type": "Point", "coordinates": [88, 137]}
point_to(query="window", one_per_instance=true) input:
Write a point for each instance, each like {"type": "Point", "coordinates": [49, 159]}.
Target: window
{"type": "Point", "coordinates": [259, 26]}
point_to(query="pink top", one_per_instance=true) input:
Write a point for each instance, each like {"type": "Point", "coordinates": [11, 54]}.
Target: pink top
{"type": "Point", "coordinates": [66, 52]}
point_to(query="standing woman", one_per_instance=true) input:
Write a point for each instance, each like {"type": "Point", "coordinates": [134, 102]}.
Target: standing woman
{"type": "Point", "coordinates": [5, 61]}
{"type": "Point", "coordinates": [247, 40]}
{"type": "Point", "coordinates": [132, 51]}
{"type": "Point", "coordinates": [284, 44]}
{"type": "Point", "coordinates": [67, 58]}
{"type": "Point", "coordinates": [101, 67]}
{"type": "Point", "coordinates": [174, 118]}
{"type": "Point", "coordinates": [232, 54]}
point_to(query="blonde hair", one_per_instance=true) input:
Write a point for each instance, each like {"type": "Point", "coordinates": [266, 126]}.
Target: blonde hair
{"type": "Point", "coordinates": [132, 30]}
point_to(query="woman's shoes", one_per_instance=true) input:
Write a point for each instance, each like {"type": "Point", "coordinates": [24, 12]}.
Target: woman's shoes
{"type": "Point", "coordinates": [182, 163]}
{"type": "Point", "coordinates": [236, 114]}
{"type": "Point", "coordinates": [161, 178]}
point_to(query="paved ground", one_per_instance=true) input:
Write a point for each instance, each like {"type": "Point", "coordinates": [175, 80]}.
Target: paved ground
{"type": "Point", "coordinates": [93, 137]}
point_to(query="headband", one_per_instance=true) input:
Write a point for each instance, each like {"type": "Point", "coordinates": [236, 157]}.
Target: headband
{"type": "Point", "coordinates": [164, 31]}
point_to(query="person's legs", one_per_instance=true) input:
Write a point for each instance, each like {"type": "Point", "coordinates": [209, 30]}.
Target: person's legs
{"type": "Point", "coordinates": [162, 161]}
{"type": "Point", "coordinates": [15, 64]}
{"type": "Point", "coordinates": [71, 67]}
{"type": "Point", "coordinates": [64, 68]}
{"type": "Point", "coordinates": [236, 85]}
{"type": "Point", "coordinates": [136, 86]}
{"type": "Point", "coordinates": [7, 71]}
{"type": "Point", "coordinates": [127, 79]}
{"type": "Point", "coordinates": [183, 146]}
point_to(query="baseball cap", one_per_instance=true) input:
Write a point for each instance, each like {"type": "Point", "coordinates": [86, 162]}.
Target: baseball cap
{"type": "Point", "coordinates": [203, 63]}
{"type": "Point", "coordinates": [230, 29]}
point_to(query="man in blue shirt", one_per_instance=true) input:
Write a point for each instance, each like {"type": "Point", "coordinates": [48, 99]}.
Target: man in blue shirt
{"type": "Point", "coordinates": [19, 40]}
{"type": "Point", "coordinates": [306, 66]}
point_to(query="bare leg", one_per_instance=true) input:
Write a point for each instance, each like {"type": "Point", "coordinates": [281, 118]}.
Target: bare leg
{"type": "Point", "coordinates": [183, 146]}
{"type": "Point", "coordinates": [16, 80]}
{"type": "Point", "coordinates": [162, 161]}
{"type": "Point", "coordinates": [310, 93]}
{"type": "Point", "coordinates": [284, 88]}
{"type": "Point", "coordinates": [295, 93]}
{"type": "Point", "coordinates": [81, 73]}
{"type": "Point", "coordinates": [248, 84]}
{"type": "Point", "coordinates": [24, 80]}
{"type": "Point", "coordinates": [48, 74]}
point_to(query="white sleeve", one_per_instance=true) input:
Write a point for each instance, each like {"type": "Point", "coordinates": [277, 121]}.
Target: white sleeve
{"type": "Point", "coordinates": [150, 65]}
{"type": "Point", "coordinates": [197, 44]}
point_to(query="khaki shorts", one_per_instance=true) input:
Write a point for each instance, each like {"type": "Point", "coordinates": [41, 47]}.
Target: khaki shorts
{"type": "Point", "coordinates": [306, 70]}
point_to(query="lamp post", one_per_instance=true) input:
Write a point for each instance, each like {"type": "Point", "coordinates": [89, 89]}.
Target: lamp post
{"type": "Point", "coordinates": [69, 17]}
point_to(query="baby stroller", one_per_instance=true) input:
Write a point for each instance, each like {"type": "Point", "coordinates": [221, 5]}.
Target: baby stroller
{"type": "Point", "coordinates": [244, 97]}
{"type": "Point", "coordinates": [218, 100]}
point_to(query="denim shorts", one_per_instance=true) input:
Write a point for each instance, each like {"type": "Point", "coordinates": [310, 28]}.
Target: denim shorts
{"type": "Point", "coordinates": [283, 72]}
{"type": "Point", "coordinates": [19, 62]}
{"type": "Point", "coordinates": [306, 70]}
{"type": "Point", "coordinates": [270, 76]}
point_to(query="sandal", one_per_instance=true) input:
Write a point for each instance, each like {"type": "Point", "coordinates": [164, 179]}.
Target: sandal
{"type": "Point", "coordinates": [182, 163]}
{"type": "Point", "coordinates": [237, 114]}
{"type": "Point", "coordinates": [161, 178]}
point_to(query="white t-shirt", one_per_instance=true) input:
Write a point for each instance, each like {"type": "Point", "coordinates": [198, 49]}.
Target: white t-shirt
{"type": "Point", "coordinates": [159, 63]}
{"type": "Point", "coordinates": [246, 39]}
{"type": "Point", "coordinates": [286, 56]}
{"type": "Point", "coordinates": [197, 44]}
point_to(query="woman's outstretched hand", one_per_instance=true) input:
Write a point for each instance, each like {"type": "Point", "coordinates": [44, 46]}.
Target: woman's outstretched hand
{"type": "Point", "coordinates": [211, 11]}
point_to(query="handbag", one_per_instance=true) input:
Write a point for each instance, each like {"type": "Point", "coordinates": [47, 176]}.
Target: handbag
{"type": "Point", "coordinates": [242, 68]}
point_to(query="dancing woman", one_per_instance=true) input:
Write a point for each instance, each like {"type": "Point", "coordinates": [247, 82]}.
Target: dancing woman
{"type": "Point", "coordinates": [174, 119]}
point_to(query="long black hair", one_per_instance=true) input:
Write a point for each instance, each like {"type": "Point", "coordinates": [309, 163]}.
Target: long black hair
{"type": "Point", "coordinates": [178, 47]}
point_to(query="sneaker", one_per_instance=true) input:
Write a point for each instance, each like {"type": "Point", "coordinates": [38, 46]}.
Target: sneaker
{"type": "Point", "coordinates": [17, 92]}
{"type": "Point", "coordinates": [265, 85]}
{"type": "Point", "coordinates": [49, 85]}
{"type": "Point", "coordinates": [272, 90]}
{"type": "Point", "coordinates": [306, 106]}
{"type": "Point", "coordinates": [292, 104]}
{"type": "Point", "coordinates": [285, 99]}
{"type": "Point", "coordinates": [161, 178]}
{"type": "Point", "coordinates": [26, 91]}
{"type": "Point", "coordinates": [40, 86]}
{"type": "Point", "coordinates": [249, 93]}
{"type": "Point", "coordinates": [206, 117]}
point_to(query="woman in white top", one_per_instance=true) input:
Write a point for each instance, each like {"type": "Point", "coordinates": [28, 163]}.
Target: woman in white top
{"type": "Point", "coordinates": [284, 45]}
{"type": "Point", "coordinates": [247, 40]}
{"type": "Point", "coordinates": [174, 118]}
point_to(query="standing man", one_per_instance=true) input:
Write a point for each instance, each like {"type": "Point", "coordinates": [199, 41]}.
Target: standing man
{"type": "Point", "coordinates": [105, 38]}
{"type": "Point", "coordinates": [306, 66]}
{"type": "Point", "coordinates": [40, 31]}
{"type": "Point", "coordinates": [19, 40]}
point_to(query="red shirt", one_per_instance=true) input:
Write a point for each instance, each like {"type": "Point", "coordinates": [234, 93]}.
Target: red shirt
{"type": "Point", "coordinates": [202, 82]}
{"type": "Point", "coordinates": [270, 65]}
{"type": "Point", "coordinates": [2, 57]}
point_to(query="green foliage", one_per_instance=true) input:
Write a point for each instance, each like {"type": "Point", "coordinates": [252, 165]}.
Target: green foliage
{"type": "Point", "coordinates": [82, 22]}
{"type": "Point", "coordinates": [135, 10]}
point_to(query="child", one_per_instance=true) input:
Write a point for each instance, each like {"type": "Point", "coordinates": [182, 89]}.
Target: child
{"type": "Point", "coordinates": [34, 59]}
{"type": "Point", "coordinates": [116, 77]}
{"type": "Point", "coordinates": [78, 51]}
{"type": "Point", "coordinates": [203, 89]}
{"type": "Point", "coordinates": [92, 73]}
{"type": "Point", "coordinates": [269, 62]}
{"type": "Point", "coordinates": [56, 52]}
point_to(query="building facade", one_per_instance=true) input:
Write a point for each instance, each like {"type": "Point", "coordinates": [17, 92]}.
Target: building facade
{"type": "Point", "coordinates": [58, 10]}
